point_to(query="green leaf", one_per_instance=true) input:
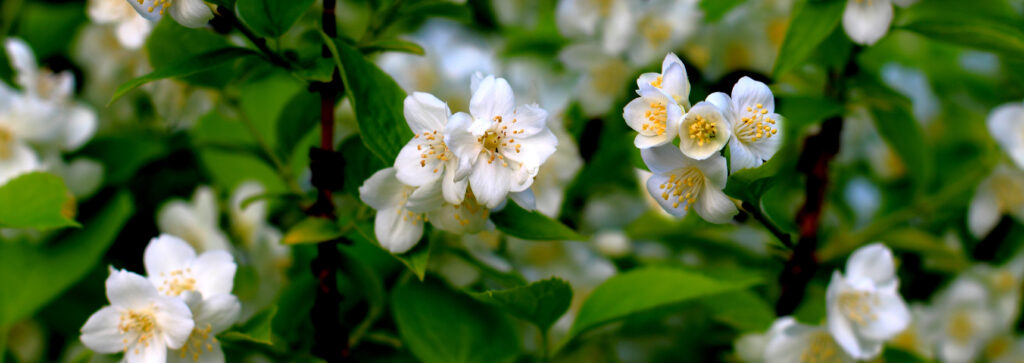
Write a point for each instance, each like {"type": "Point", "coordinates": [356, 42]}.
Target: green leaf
{"type": "Point", "coordinates": [32, 275]}
{"type": "Point", "coordinates": [360, 164]}
{"type": "Point", "coordinates": [801, 111]}
{"type": "Point", "coordinates": [714, 10]}
{"type": "Point", "coordinates": [256, 330]}
{"type": "Point", "coordinates": [415, 259]}
{"type": "Point", "coordinates": [393, 45]}
{"type": "Point", "coordinates": [36, 200]}
{"type": "Point", "coordinates": [518, 222]}
{"type": "Point", "coordinates": [895, 122]}
{"type": "Point", "coordinates": [442, 325]}
{"type": "Point", "coordinates": [749, 185]}
{"type": "Point", "coordinates": [186, 67]}
{"type": "Point", "coordinates": [742, 310]}
{"type": "Point", "coordinates": [271, 18]}
{"type": "Point", "coordinates": [376, 99]}
{"type": "Point", "coordinates": [438, 8]}
{"type": "Point", "coordinates": [312, 230]}
{"type": "Point", "coordinates": [298, 118]}
{"type": "Point", "coordinates": [171, 43]}
{"type": "Point", "coordinates": [984, 25]}
{"type": "Point", "coordinates": [896, 355]}
{"type": "Point", "coordinates": [541, 302]}
{"type": "Point", "coordinates": [645, 289]}
{"type": "Point", "coordinates": [811, 24]}
{"type": "Point", "coordinates": [122, 155]}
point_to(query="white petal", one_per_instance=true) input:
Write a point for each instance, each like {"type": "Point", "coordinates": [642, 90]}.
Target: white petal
{"type": "Point", "coordinates": [709, 114]}
{"type": "Point", "coordinates": [525, 199]}
{"type": "Point", "coordinates": [533, 150]}
{"type": "Point", "coordinates": [454, 192]}
{"type": "Point", "coordinates": [414, 166]}
{"type": "Point", "coordinates": [867, 21]}
{"type": "Point", "coordinates": [21, 160]}
{"type": "Point", "coordinates": [766, 147]}
{"type": "Point", "coordinates": [891, 317]}
{"type": "Point", "coordinates": [191, 13]}
{"type": "Point", "coordinates": [873, 262]}
{"type": "Point", "coordinates": [174, 319]}
{"type": "Point", "coordinates": [750, 93]}
{"type": "Point", "coordinates": [531, 119]}
{"type": "Point", "coordinates": [132, 34]}
{"type": "Point", "coordinates": [101, 334]}
{"type": "Point", "coordinates": [129, 290]}
{"type": "Point", "coordinates": [144, 9]}
{"type": "Point", "coordinates": [714, 206]}
{"type": "Point", "coordinates": [841, 327]}
{"type": "Point", "coordinates": [425, 198]}
{"type": "Point", "coordinates": [713, 169]}
{"type": "Point", "coordinates": [214, 273]}
{"type": "Point", "coordinates": [24, 63]}
{"type": "Point", "coordinates": [724, 104]}
{"type": "Point", "coordinates": [83, 176]}
{"type": "Point", "coordinates": [675, 82]}
{"type": "Point", "coordinates": [740, 157]}
{"type": "Point", "coordinates": [647, 78]}
{"type": "Point", "coordinates": [983, 213]}
{"type": "Point", "coordinates": [81, 125]}
{"type": "Point", "coordinates": [220, 311]}
{"type": "Point", "coordinates": [646, 142]}
{"type": "Point", "coordinates": [618, 27]}
{"type": "Point", "coordinates": [205, 202]}
{"type": "Point", "coordinates": [494, 97]}
{"type": "Point", "coordinates": [490, 182]}
{"type": "Point", "coordinates": [425, 113]}
{"type": "Point", "coordinates": [1006, 124]}
{"type": "Point", "coordinates": [154, 352]}
{"type": "Point", "coordinates": [167, 253]}
{"type": "Point", "coordinates": [382, 190]}
{"type": "Point", "coordinates": [663, 159]}
{"type": "Point", "coordinates": [462, 143]}
{"type": "Point", "coordinates": [669, 205]}
{"type": "Point", "coordinates": [397, 230]}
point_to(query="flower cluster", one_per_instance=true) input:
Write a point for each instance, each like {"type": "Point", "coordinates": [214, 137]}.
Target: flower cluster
{"type": "Point", "coordinates": [864, 310]}
{"type": "Point", "coordinates": [1002, 192]}
{"type": "Point", "coordinates": [694, 174]}
{"type": "Point", "coordinates": [172, 314]}
{"type": "Point", "coordinates": [458, 167]}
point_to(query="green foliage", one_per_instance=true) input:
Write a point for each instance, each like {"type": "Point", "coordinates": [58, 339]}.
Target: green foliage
{"type": "Point", "coordinates": [648, 288]}
{"type": "Point", "coordinates": [750, 184]}
{"type": "Point", "coordinates": [298, 117]}
{"type": "Point", "coordinates": [393, 45]}
{"type": "Point", "coordinates": [540, 303]}
{"type": "Point", "coordinates": [33, 275]}
{"type": "Point", "coordinates": [171, 43]}
{"type": "Point", "coordinates": [985, 25]}
{"type": "Point", "coordinates": [741, 310]}
{"type": "Point", "coordinates": [531, 225]}
{"type": "Point", "coordinates": [124, 154]}
{"type": "Point", "coordinates": [271, 18]}
{"type": "Point", "coordinates": [415, 259]}
{"type": "Point", "coordinates": [186, 67]}
{"type": "Point", "coordinates": [897, 126]}
{"type": "Point", "coordinates": [811, 24]}
{"type": "Point", "coordinates": [256, 330]}
{"type": "Point", "coordinates": [439, 324]}
{"type": "Point", "coordinates": [714, 10]}
{"type": "Point", "coordinates": [42, 202]}
{"type": "Point", "coordinates": [312, 230]}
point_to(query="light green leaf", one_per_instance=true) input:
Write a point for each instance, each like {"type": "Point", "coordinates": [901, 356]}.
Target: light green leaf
{"type": "Point", "coordinates": [749, 185]}
{"type": "Point", "coordinates": [186, 67]}
{"type": "Point", "coordinates": [393, 45]}
{"type": "Point", "coordinates": [811, 24]}
{"type": "Point", "coordinates": [256, 330]}
{"type": "Point", "coordinates": [312, 230]}
{"type": "Point", "coordinates": [714, 10]}
{"type": "Point", "coordinates": [32, 275]}
{"type": "Point", "coordinates": [36, 200]}
{"type": "Point", "coordinates": [271, 18]}
{"type": "Point", "coordinates": [440, 325]}
{"type": "Point", "coordinates": [518, 222]}
{"type": "Point", "coordinates": [298, 118]}
{"type": "Point", "coordinates": [541, 302]}
{"type": "Point", "coordinates": [648, 288]}
{"type": "Point", "coordinates": [986, 25]}
{"type": "Point", "coordinates": [376, 100]}
{"type": "Point", "coordinates": [801, 111]}
{"type": "Point", "coordinates": [742, 310]}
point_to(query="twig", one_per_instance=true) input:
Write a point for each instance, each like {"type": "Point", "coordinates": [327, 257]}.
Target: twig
{"type": "Point", "coordinates": [755, 212]}
{"type": "Point", "coordinates": [260, 43]}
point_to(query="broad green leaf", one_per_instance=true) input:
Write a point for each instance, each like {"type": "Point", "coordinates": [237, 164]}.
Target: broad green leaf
{"type": "Point", "coordinates": [415, 259]}
{"type": "Point", "coordinates": [32, 275]}
{"type": "Point", "coordinates": [298, 118]}
{"type": "Point", "coordinates": [48, 27]}
{"type": "Point", "coordinates": [257, 329]}
{"type": "Point", "coordinates": [312, 230]}
{"type": "Point", "coordinates": [541, 302]}
{"type": "Point", "coordinates": [749, 185]}
{"type": "Point", "coordinates": [647, 288]}
{"type": "Point", "coordinates": [171, 43]}
{"type": "Point", "coordinates": [186, 67]}
{"type": "Point", "coordinates": [714, 10]}
{"type": "Point", "coordinates": [36, 200]}
{"type": "Point", "coordinates": [360, 164]}
{"type": "Point", "coordinates": [742, 310]}
{"type": "Point", "coordinates": [986, 25]}
{"type": "Point", "coordinates": [440, 325]}
{"type": "Point", "coordinates": [801, 111]}
{"type": "Point", "coordinates": [518, 222]}
{"type": "Point", "coordinates": [376, 100]}
{"type": "Point", "coordinates": [393, 45]}
{"type": "Point", "coordinates": [811, 24]}
{"type": "Point", "coordinates": [271, 18]}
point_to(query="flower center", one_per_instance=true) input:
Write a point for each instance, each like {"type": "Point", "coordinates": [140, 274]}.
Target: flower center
{"type": "Point", "coordinates": [656, 116]}
{"type": "Point", "coordinates": [139, 322]}
{"type": "Point", "coordinates": [684, 188]}
{"type": "Point", "coordinates": [199, 339]}
{"type": "Point", "coordinates": [1009, 190]}
{"type": "Point", "coordinates": [703, 131]}
{"type": "Point", "coordinates": [1004, 282]}
{"type": "Point", "coordinates": [856, 305]}
{"type": "Point", "coordinates": [604, 7]}
{"type": "Point", "coordinates": [960, 327]}
{"type": "Point", "coordinates": [656, 83]}
{"type": "Point", "coordinates": [821, 349]}
{"type": "Point", "coordinates": [435, 148]}
{"type": "Point", "coordinates": [177, 282]}
{"type": "Point", "coordinates": [607, 77]}
{"type": "Point", "coordinates": [160, 5]}
{"type": "Point", "coordinates": [471, 207]}
{"type": "Point", "coordinates": [656, 31]}
{"type": "Point", "coordinates": [757, 125]}
{"type": "Point", "coordinates": [6, 143]}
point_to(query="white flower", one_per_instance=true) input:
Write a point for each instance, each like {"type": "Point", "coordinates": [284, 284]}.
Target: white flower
{"type": "Point", "coordinates": [581, 18]}
{"type": "Point", "coordinates": [1004, 285]}
{"type": "Point", "coordinates": [172, 266]}
{"type": "Point", "coordinates": [965, 321]}
{"type": "Point", "coordinates": [867, 21]}
{"type": "Point", "coordinates": [864, 307]}
{"type": "Point", "coordinates": [212, 315]}
{"type": "Point", "coordinates": [1006, 124]}
{"type": "Point", "coordinates": [703, 131]}
{"type": "Point", "coordinates": [918, 337]}
{"type": "Point", "coordinates": [139, 321]}
{"type": "Point", "coordinates": [790, 341]}
{"type": "Point", "coordinates": [196, 222]}
{"type": "Point", "coordinates": [751, 112]}
{"type": "Point", "coordinates": [249, 224]}
{"type": "Point", "coordinates": [426, 158]}
{"type": "Point", "coordinates": [262, 246]}
{"type": "Point", "coordinates": [672, 80]}
{"type": "Point", "coordinates": [602, 76]}
{"type": "Point", "coordinates": [464, 218]}
{"type": "Point", "coordinates": [190, 13]}
{"type": "Point", "coordinates": [654, 116]}
{"type": "Point", "coordinates": [131, 28]}
{"type": "Point", "coordinates": [399, 222]}
{"type": "Point", "coordinates": [1000, 193]}
{"type": "Point", "coordinates": [83, 176]}
{"type": "Point", "coordinates": [680, 183]}
{"type": "Point", "coordinates": [662, 27]}
{"type": "Point", "coordinates": [500, 146]}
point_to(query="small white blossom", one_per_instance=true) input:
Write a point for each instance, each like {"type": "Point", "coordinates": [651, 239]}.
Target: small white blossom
{"type": "Point", "coordinates": [1006, 124]}
{"type": "Point", "coordinates": [400, 208]}
{"type": "Point", "coordinates": [867, 21]}
{"type": "Point", "coordinates": [195, 222]}
{"type": "Point", "coordinates": [662, 26]}
{"type": "Point", "coordinates": [212, 315]}
{"type": "Point", "coordinates": [703, 131]}
{"type": "Point", "coordinates": [864, 306]}
{"type": "Point", "coordinates": [190, 13]}
{"type": "Point", "coordinates": [139, 321]}
{"type": "Point", "coordinates": [751, 113]}
{"type": "Point", "coordinates": [601, 76]}
{"type": "Point", "coordinates": [965, 321]}
{"type": "Point", "coordinates": [426, 159]}
{"type": "Point", "coordinates": [654, 116]}
{"type": "Point", "coordinates": [672, 80]}
{"type": "Point", "coordinates": [131, 28]}
{"type": "Point", "coordinates": [790, 341]}
{"type": "Point", "coordinates": [615, 20]}
{"type": "Point", "coordinates": [680, 183]}
{"type": "Point", "coordinates": [174, 268]}
{"type": "Point", "coordinates": [1002, 192]}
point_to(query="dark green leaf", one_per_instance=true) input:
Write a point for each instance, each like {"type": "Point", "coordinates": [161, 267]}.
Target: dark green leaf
{"type": "Point", "coordinates": [742, 310]}
{"type": "Point", "coordinates": [257, 329]}
{"type": "Point", "coordinates": [360, 164]}
{"type": "Point", "coordinates": [393, 45]}
{"type": "Point", "coordinates": [271, 18]}
{"type": "Point", "coordinates": [171, 43]}
{"type": "Point", "coordinates": [186, 67]}
{"type": "Point", "coordinates": [230, 4]}
{"type": "Point", "coordinates": [896, 355]}
{"type": "Point", "coordinates": [714, 10]}
{"type": "Point", "coordinates": [446, 326]}
{"type": "Point", "coordinates": [811, 24]}
{"type": "Point", "coordinates": [518, 222]}
{"type": "Point", "coordinates": [648, 288]}
{"type": "Point", "coordinates": [439, 8]}
{"type": "Point", "coordinates": [36, 200]}
{"type": "Point", "coordinates": [123, 154]}
{"type": "Point", "coordinates": [376, 100]}
{"type": "Point", "coordinates": [33, 275]}
{"type": "Point", "coordinates": [801, 111]}
{"type": "Point", "coordinates": [541, 302]}
{"type": "Point", "coordinates": [415, 259]}
{"type": "Point", "coordinates": [298, 118]}
{"type": "Point", "coordinates": [749, 185]}
{"type": "Point", "coordinates": [895, 122]}
{"type": "Point", "coordinates": [312, 230]}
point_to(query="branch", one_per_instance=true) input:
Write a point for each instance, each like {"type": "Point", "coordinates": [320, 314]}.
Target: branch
{"type": "Point", "coordinates": [755, 212]}
{"type": "Point", "coordinates": [260, 43]}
